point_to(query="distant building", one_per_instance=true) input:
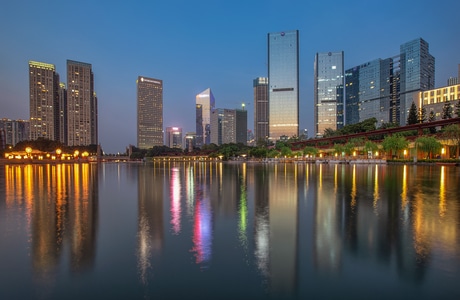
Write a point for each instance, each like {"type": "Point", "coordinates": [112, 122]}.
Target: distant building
{"type": "Point", "coordinates": [13, 132]}
{"type": "Point", "coordinates": [228, 126]}
{"type": "Point", "coordinates": [173, 137]}
{"type": "Point", "coordinates": [149, 112]}
{"type": "Point", "coordinates": [328, 91]}
{"type": "Point", "coordinates": [261, 132]}
{"type": "Point", "coordinates": [43, 87]}
{"type": "Point", "coordinates": [190, 141]}
{"type": "Point", "coordinates": [205, 103]}
{"type": "Point", "coordinates": [454, 80]}
{"type": "Point", "coordinates": [283, 78]}
{"type": "Point", "coordinates": [82, 115]}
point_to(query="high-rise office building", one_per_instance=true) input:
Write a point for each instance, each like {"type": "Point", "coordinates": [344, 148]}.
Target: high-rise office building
{"type": "Point", "coordinates": [229, 126]}
{"type": "Point", "coordinates": [385, 88]}
{"type": "Point", "coordinates": [149, 112]}
{"type": "Point", "coordinates": [328, 91]}
{"type": "Point", "coordinates": [82, 117]}
{"type": "Point", "coordinates": [173, 137]}
{"type": "Point", "coordinates": [43, 83]}
{"type": "Point", "coordinates": [261, 132]}
{"type": "Point", "coordinates": [283, 78]}
{"type": "Point", "coordinates": [417, 73]}
{"type": "Point", "coordinates": [369, 91]}
{"type": "Point", "coordinates": [205, 103]}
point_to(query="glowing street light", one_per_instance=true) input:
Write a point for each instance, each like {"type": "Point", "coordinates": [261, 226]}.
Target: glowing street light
{"type": "Point", "coordinates": [28, 151]}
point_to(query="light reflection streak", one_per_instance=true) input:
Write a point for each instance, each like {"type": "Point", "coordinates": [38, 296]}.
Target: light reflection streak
{"type": "Point", "coordinates": [175, 196]}
{"type": "Point", "coordinates": [442, 193]}
{"type": "Point", "coordinates": [353, 188]}
{"type": "Point", "coordinates": [202, 231]}
{"type": "Point", "coordinates": [243, 210]}
{"type": "Point", "coordinates": [404, 189]}
{"type": "Point", "coordinates": [376, 189]}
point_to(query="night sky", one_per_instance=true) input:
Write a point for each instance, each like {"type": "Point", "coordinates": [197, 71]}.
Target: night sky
{"type": "Point", "coordinates": [195, 45]}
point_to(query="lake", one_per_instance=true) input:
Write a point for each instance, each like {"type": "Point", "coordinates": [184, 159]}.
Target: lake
{"type": "Point", "coordinates": [201, 230]}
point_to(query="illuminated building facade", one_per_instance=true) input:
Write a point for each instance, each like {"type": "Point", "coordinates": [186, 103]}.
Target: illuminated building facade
{"type": "Point", "coordinates": [149, 112]}
{"type": "Point", "coordinates": [82, 118]}
{"type": "Point", "coordinates": [205, 104]}
{"type": "Point", "coordinates": [329, 77]}
{"type": "Point", "coordinates": [283, 78]}
{"type": "Point", "coordinates": [62, 115]}
{"type": "Point", "coordinates": [43, 84]}
{"type": "Point", "coordinates": [261, 132]}
{"type": "Point", "coordinates": [435, 99]}
{"type": "Point", "coordinates": [173, 137]}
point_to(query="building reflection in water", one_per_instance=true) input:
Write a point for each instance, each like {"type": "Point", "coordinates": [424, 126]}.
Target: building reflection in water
{"type": "Point", "coordinates": [61, 207]}
{"type": "Point", "coordinates": [150, 233]}
{"type": "Point", "coordinates": [327, 238]}
{"type": "Point", "coordinates": [282, 217]}
{"type": "Point", "coordinates": [202, 215]}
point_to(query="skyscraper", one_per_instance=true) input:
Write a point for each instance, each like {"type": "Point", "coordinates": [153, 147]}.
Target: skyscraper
{"type": "Point", "coordinates": [417, 73]}
{"type": "Point", "coordinates": [173, 138]}
{"type": "Point", "coordinates": [260, 85]}
{"type": "Point", "coordinates": [82, 122]}
{"type": "Point", "coordinates": [62, 95]}
{"type": "Point", "coordinates": [43, 83]}
{"type": "Point", "coordinates": [283, 78]}
{"type": "Point", "coordinates": [205, 103]}
{"type": "Point", "coordinates": [328, 90]}
{"type": "Point", "coordinates": [369, 91]}
{"type": "Point", "coordinates": [149, 112]}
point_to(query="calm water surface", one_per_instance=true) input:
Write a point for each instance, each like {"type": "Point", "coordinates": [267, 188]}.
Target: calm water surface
{"type": "Point", "coordinates": [229, 231]}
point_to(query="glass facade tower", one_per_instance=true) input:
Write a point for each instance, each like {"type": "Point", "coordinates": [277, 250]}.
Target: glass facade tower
{"type": "Point", "coordinates": [149, 112]}
{"type": "Point", "coordinates": [205, 104]}
{"type": "Point", "coordinates": [283, 79]}
{"type": "Point", "coordinates": [329, 97]}
{"type": "Point", "coordinates": [369, 91]}
{"type": "Point", "coordinates": [417, 73]}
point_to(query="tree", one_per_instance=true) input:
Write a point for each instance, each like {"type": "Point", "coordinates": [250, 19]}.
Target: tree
{"type": "Point", "coordinates": [310, 151]}
{"type": "Point", "coordinates": [339, 149]}
{"type": "Point", "coordinates": [447, 111]}
{"type": "Point", "coordinates": [371, 147]}
{"type": "Point", "coordinates": [273, 153]}
{"type": "Point", "coordinates": [412, 118]}
{"type": "Point", "coordinates": [432, 118]}
{"type": "Point", "coordinates": [286, 151]}
{"type": "Point", "coordinates": [428, 144]}
{"type": "Point", "coordinates": [452, 134]}
{"type": "Point", "coordinates": [457, 108]}
{"type": "Point", "coordinates": [394, 143]}
{"type": "Point", "coordinates": [422, 115]}
{"type": "Point", "coordinates": [329, 132]}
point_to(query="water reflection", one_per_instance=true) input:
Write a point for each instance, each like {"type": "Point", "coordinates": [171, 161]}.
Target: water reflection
{"type": "Point", "coordinates": [60, 205]}
{"type": "Point", "coordinates": [280, 230]}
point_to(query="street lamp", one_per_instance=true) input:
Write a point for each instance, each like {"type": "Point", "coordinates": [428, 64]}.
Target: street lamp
{"type": "Point", "coordinates": [28, 151]}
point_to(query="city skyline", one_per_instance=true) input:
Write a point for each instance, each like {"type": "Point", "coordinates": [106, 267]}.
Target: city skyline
{"type": "Point", "coordinates": [192, 53]}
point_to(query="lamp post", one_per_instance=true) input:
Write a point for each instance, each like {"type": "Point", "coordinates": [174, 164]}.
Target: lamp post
{"type": "Point", "coordinates": [28, 151]}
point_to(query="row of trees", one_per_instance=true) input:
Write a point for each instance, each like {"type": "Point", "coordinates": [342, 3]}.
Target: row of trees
{"type": "Point", "coordinates": [419, 115]}
{"type": "Point", "coordinates": [391, 145]}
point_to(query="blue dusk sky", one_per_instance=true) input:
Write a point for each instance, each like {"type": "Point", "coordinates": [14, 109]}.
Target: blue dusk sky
{"type": "Point", "coordinates": [195, 45]}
